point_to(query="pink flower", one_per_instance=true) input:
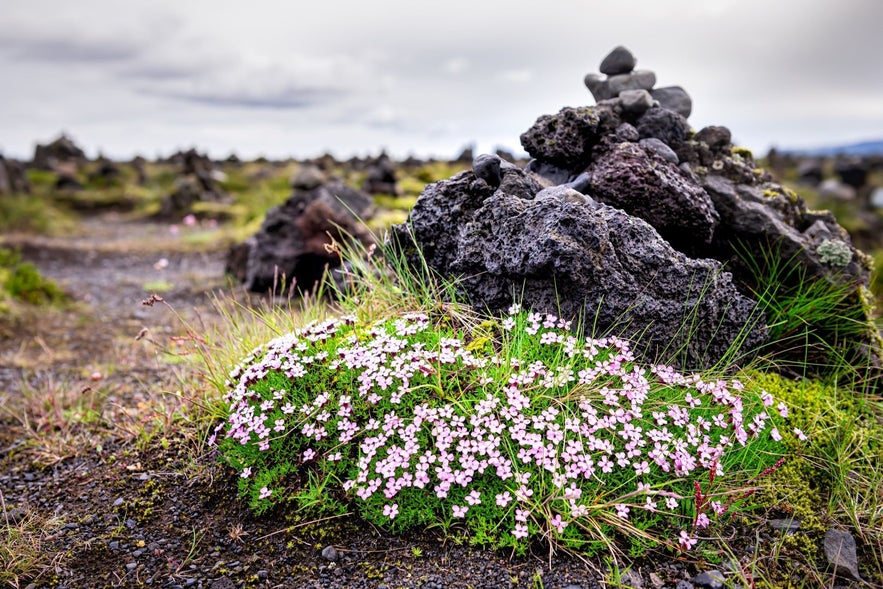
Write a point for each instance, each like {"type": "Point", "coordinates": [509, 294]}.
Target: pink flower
{"type": "Point", "coordinates": [520, 531]}
{"type": "Point", "coordinates": [459, 511]}
{"type": "Point", "coordinates": [622, 510]}
{"type": "Point", "coordinates": [473, 498]}
{"type": "Point", "coordinates": [557, 523]}
{"type": "Point", "coordinates": [503, 498]}
{"type": "Point", "coordinates": [702, 521]}
{"type": "Point", "coordinates": [783, 409]}
{"type": "Point", "coordinates": [671, 503]}
{"type": "Point", "coordinates": [800, 435]}
{"type": "Point", "coordinates": [246, 472]}
{"type": "Point", "coordinates": [774, 434]}
{"type": "Point", "coordinates": [686, 542]}
{"type": "Point", "coordinates": [264, 493]}
{"type": "Point", "coordinates": [391, 511]}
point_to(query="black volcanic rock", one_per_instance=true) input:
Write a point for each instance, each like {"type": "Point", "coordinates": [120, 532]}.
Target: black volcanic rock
{"type": "Point", "coordinates": [561, 252]}
{"type": "Point", "coordinates": [291, 248]}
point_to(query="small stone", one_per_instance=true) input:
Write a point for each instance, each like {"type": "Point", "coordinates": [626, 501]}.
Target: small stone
{"type": "Point", "coordinates": [659, 148]}
{"type": "Point", "coordinates": [618, 61]}
{"type": "Point", "coordinates": [635, 101]}
{"type": "Point", "coordinates": [637, 80]}
{"type": "Point", "coordinates": [632, 579]}
{"type": "Point", "coordinates": [710, 579]}
{"type": "Point", "coordinates": [487, 168]}
{"type": "Point", "coordinates": [263, 574]}
{"type": "Point", "coordinates": [785, 525]}
{"type": "Point", "coordinates": [117, 502]}
{"type": "Point", "coordinates": [572, 586]}
{"type": "Point", "coordinates": [715, 136]}
{"type": "Point", "coordinates": [580, 183]}
{"type": "Point", "coordinates": [308, 177]}
{"type": "Point", "coordinates": [627, 132]}
{"type": "Point", "coordinates": [565, 193]}
{"type": "Point", "coordinates": [656, 581]}
{"type": "Point", "coordinates": [598, 86]}
{"type": "Point", "coordinates": [674, 98]}
{"type": "Point", "coordinates": [223, 583]}
{"type": "Point", "coordinates": [131, 524]}
{"type": "Point", "coordinates": [684, 585]}
{"type": "Point", "coordinates": [13, 515]}
{"type": "Point", "coordinates": [840, 552]}
{"type": "Point", "coordinates": [330, 553]}
{"type": "Point", "coordinates": [131, 566]}
{"type": "Point", "coordinates": [115, 545]}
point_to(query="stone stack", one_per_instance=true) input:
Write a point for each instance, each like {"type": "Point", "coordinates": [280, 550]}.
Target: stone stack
{"type": "Point", "coordinates": [635, 88]}
{"type": "Point", "coordinates": [627, 218]}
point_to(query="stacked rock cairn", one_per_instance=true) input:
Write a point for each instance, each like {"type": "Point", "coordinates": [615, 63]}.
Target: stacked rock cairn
{"type": "Point", "coordinates": [634, 88]}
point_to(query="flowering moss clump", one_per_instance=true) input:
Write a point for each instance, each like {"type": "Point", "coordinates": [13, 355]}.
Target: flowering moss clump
{"type": "Point", "coordinates": [532, 432]}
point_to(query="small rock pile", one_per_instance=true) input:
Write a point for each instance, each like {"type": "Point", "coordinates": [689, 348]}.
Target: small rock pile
{"type": "Point", "coordinates": [291, 248]}
{"type": "Point", "coordinates": [198, 182]}
{"type": "Point", "coordinates": [12, 177]}
{"type": "Point", "coordinates": [634, 87]}
{"type": "Point", "coordinates": [625, 217]}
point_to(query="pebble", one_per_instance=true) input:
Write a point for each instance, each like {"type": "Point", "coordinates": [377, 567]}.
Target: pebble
{"type": "Point", "coordinates": [660, 148]}
{"type": "Point", "coordinates": [785, 525]}
{"type": "Point", "coordinates": [119, 501]}
{"type": "Point", "coordinates": [674, 98]}
{"type": "Point", "coordinates": [487, 167]}
{"type": "Point", "coordinates": [330, 553]}
{"type": "Point", "coordinates": [710, 579]}
{"type": "Point", "coordinates": [684, 585]}
{"type": "Point", "coordinates": [131, 566]}
{"type": "Point", "coordinates": [632, 579]}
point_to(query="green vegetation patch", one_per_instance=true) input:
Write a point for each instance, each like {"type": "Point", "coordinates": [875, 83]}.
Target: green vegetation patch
{"type": "Point", "coordinates": [22, 281]}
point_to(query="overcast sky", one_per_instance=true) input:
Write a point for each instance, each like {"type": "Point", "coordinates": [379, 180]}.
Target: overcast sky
{"type": "Point", "coordinates": [414, 76]}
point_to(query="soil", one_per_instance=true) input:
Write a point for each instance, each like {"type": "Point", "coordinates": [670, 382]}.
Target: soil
{"type": "Point", "coordinates": [113, 507]}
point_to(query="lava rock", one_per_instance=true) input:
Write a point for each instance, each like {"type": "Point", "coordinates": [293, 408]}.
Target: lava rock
{"type": "Point", "coordinates": [665, 125]}
{"type": "Point", "coordinates": [572, 256]}
{"type": "Point", "coordinates": [643, 183]}
{"type": "Point", "coordinates": [290, 249]}
{"type": "Point", "coordinates": [618, 61]}
{"type": "Point", "coordinates": [674, 98]}
{"type": "Point", "coordinates": [627, 132]}
{"type": "Point", "coordinates": [381, 177]}
{"type": "Point", "coordinates": [840, 551]}
{"type": "Point", "coordinates": [564, 139]}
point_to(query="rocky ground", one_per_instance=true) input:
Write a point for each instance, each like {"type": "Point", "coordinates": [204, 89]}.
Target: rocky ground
{"type": "Point", "coordinates": [112, 507]}
{"type": "Point", "coordinates": [109, 488]}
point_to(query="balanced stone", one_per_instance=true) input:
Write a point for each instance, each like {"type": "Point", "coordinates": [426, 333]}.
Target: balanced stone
{"type": "Point", "coordinates": [636, 101]}
{"type": "Point", "coordinates": [618, 61]}
{"type": "Point", "coordinates": [674, 98]}
{"type": "Point", "coordinates": [598, 86]}
{"type": "Point", "coordinates": [636, 80]}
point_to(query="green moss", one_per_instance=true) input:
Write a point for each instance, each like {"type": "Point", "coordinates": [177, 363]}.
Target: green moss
{"type": "Point", "coordinates": [742, 152]}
